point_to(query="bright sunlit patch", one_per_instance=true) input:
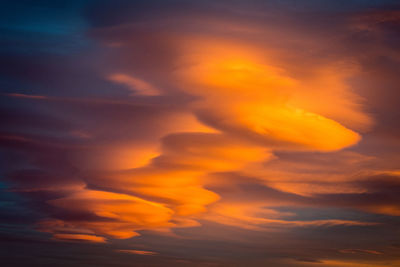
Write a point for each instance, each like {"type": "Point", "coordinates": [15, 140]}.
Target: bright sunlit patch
{"type": "Point", "coordinates": [80, 237]}
{"type": "Point", "coordinates": [125, 213]}
{"type": "Point", "coordinates": [245, 93]}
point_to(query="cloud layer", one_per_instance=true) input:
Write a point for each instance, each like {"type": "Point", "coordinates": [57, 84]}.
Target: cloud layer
{"type": "Point", "coordinates": [260, 128]}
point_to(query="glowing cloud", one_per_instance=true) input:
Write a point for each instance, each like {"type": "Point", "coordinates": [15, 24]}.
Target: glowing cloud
{"type": "Point", "coordinates": [240, 93]}
{"type": "Point", "coordinates": [204, 133]}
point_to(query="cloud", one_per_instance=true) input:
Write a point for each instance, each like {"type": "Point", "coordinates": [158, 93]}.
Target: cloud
{"type": "Point", "coordinates": [351, 251]}
{"type": "Point", "coordinates": [139, 86]}
{"type": "Point", "coordinates": [260, 127]}
{"type": "Point", "coordinates": [244, 105]}
{"type": "Point", "coordinates": [79, 237]}
{"type": "Point", "coordinates": [138, 252]}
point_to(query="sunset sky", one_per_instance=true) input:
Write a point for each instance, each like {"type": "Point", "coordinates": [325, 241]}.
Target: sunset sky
{"type": "Point", "coordinates": [200, 133]}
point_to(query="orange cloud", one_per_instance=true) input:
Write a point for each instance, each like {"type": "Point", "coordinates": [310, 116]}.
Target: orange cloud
{"type": "Point", "coordinates": [244, 106]}
{"type": "Point", "coordinates": [257, 217]}
{"type": "Point", "coordinates": [137, 252]}
{"type": "Point", "coordinates": [80, 237]}
{"type": "Point", "coordinates": [354, 251]}
{"type": "Point", "coordinates": [240, 92]}
{"type": "Point", "coordinates": [122, 214]}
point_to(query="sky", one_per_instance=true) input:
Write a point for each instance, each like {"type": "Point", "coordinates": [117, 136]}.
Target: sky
{"type": "Point", "coordinates": [200, 133]}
